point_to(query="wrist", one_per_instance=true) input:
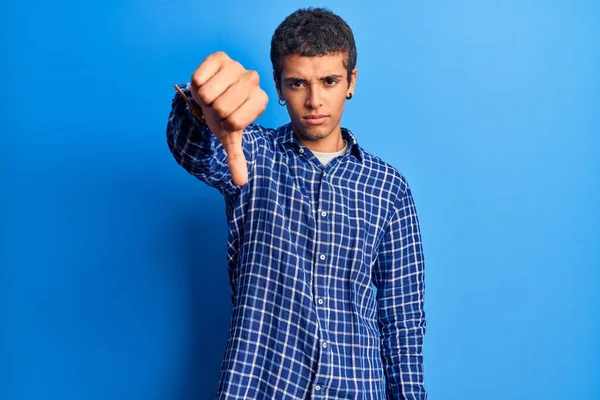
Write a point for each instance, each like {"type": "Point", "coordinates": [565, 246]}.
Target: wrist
{"type": "Point", "coordinates": [193, 106]}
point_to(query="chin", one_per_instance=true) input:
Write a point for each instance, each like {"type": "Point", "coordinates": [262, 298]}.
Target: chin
{"type": "Point", "coordinates": [314, 132]}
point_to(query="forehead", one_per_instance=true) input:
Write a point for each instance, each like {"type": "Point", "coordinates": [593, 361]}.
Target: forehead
{"type": "Point", "coordinates": [319, 66]}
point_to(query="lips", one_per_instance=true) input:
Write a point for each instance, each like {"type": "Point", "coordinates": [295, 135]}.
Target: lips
{"type": "Point", "coordinates": [314, 119]}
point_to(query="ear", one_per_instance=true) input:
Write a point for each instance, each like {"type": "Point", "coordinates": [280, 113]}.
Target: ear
{"type": "Point", "coordinates": [353, 76]}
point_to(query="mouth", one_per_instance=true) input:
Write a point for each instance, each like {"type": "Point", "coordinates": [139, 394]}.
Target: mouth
{"type": "Point", "coordinates": [314, 119]}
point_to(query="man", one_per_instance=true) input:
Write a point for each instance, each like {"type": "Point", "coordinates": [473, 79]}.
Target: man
{"type": "Point", "coordinates": [314, 220]}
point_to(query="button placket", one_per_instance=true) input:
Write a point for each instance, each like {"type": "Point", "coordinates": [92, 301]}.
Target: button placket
{"type": "Point", "coordinates": [323, 259]}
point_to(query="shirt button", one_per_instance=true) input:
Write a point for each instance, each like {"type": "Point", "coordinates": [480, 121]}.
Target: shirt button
{"type": "Point", "coordinates": [322, 257]}
{"type": "Point", "coordinates": [317, 388]}
{"type": "Point", "coordinates": [301, 150]}
{"type": "Point", "coordinates": [324, 345]}
{"type": "Point", "coordinates": [323, 213]}
{"type": "Point", "coordinates": [320, 301]}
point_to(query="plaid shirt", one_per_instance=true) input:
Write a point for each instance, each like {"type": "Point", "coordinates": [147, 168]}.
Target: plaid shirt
{"type": "Point", "coordinates": [306, 244]}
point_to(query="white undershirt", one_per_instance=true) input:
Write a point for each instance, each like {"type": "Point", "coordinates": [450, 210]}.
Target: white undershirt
{"type": "Point", "coordinates": [328, 156]}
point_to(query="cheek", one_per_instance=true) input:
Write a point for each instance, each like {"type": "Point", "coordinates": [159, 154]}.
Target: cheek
{"type": "Point", "coordinates": [338, 103]}
{"type": "Point", "coordinates": [295, 103]}
{"type": "Point", "coordinates": [337, 97]}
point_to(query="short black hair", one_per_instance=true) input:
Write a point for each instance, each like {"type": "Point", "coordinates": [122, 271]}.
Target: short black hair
{"type": "Point", "coordinates": [312, 32]}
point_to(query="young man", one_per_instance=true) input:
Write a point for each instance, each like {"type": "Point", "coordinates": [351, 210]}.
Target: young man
{"type": "Point", "coordinates": [313, 219]}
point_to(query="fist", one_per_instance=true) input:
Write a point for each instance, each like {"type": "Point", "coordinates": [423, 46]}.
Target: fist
{"type": "Point", "coordinates": [231, 99]}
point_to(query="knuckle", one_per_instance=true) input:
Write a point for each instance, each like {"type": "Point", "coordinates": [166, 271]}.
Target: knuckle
{"type": "Point", "coordinates": [220, 110]}
{"type": "Point", "coordinates": [260, 99]}
{"type": "Point", "coordinates": [265, 97]}
{"type": "Point", "coordinates": [237, 66]}
{"type": "Point", "coordinates": [235, 123]}
{"type": "Point", "coordinates": [209, 59]}
{"type": "Point", "coordinates": [219, 55]}
{"type": "Point", "coordinates": [233, 156]}
{"type": "Point", "coordinates": [205, 95]}
{"type": "Point", "coordinates": [195, 79]}
{"type": "Point", "coordinates": [253, 76]}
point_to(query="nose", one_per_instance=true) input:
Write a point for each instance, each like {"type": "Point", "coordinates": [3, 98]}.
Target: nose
{"type": "Point", "coordinates": [314, 98]}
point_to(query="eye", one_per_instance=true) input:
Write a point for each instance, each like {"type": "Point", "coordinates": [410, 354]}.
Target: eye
{"type": "Point", "coordinates": [296, 84]}
{"type": "Point", "coordinates": [330, 81]}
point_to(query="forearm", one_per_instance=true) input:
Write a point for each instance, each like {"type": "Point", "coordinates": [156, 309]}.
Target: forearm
{"type": "Point", "coordinates": [402, 336]}
{"type": "Point", "coordinates": [195, 148]}
{"type": "Point", "coordinates": [399, 277]}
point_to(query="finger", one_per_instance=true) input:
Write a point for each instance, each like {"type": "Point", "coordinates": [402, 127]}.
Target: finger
{"type": "Point", "coordinates": [240, 119]}
{"type": "Point", "coordinates": [224, 78]}
{"type": "Point", "coordinates": [238, 166]}
{"type": "Point", "coordinates": [248, 112]}
{"type": "Point", "coordinates": [235, 95]}
{"type": "Point", "coordinates": [236, 158]}
{"type": "Point", "coordinates": [208, 68]}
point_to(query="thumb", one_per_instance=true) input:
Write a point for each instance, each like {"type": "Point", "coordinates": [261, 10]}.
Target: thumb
{"type": "Point", "coordinates": [236, 159]}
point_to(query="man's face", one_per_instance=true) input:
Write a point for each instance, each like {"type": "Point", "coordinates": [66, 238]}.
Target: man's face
{"type": "Point", "coordinates": [315, 90]}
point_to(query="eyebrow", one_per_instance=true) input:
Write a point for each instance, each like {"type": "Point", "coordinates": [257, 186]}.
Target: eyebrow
{"type": "Point", "coordinates": [296, 79]}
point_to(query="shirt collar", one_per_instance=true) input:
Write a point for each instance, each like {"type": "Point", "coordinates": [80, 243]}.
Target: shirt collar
{"type": "Point", "coordinates": [285, 135]}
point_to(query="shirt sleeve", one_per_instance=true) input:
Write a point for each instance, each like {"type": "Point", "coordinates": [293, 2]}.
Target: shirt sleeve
{"type": "Point", "coordinates": [399, 278]}
{"type": "Point", "coordinates": [199, 152]}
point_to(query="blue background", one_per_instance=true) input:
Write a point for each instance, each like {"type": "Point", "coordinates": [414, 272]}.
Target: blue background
{"type": "Point", "coordinates": [113, 282]}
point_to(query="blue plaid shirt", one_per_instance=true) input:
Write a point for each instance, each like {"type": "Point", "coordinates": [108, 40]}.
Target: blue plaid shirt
{"type": "Point", "coordinates": [305, 244]}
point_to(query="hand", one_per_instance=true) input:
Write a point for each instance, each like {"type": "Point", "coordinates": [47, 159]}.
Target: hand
{"type": "Point", "coordinates": [231, 99]}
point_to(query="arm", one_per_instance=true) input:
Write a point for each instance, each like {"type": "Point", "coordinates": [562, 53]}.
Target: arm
{"type": "Point", "coordinates": [208, 128]}
{"type": "Point", "coordinates": [196, 149]}
{"type": "Point", "coordinates": [399, 278]}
